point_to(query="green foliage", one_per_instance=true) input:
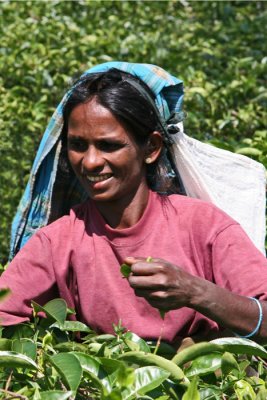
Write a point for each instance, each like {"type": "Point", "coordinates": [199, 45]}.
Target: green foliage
{"type": "Point", "coordinates": [217, 48]}
{"type": "Point", "coordinates": [44, 361]}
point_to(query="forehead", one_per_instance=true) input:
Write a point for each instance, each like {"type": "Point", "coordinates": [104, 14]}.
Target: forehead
{"type": "Point", "coordinates": [89, 114]}
{"type": "Point", "coordinates": [92, 121]}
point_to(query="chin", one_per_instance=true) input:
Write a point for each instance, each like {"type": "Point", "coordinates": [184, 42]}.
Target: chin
{"type": "Point", "coordinates": [101, 197]}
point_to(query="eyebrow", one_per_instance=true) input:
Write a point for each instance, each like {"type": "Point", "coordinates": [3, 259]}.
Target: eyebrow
{"type": "Point", "coordinates": [106, 139]}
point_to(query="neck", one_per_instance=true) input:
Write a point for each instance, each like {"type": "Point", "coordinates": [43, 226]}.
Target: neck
{"type": "Point", "coordinates": [124, 213]}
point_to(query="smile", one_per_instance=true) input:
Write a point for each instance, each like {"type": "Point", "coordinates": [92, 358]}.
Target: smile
{"type": "Point", "coordinates": [99, 178]}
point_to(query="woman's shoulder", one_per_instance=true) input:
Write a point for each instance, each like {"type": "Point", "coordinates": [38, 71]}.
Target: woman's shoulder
{"type": "Point", "coordinates": [65, 224]}
{"type": "Point", "coordinates": [190, 204]}
{"type": "Point", "coordinates": [200, 213]}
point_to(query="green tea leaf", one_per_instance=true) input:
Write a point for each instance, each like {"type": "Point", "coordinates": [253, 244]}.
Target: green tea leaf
{"type": "Point", "coordinates": [145, 380]}
{"type": "Point", "coordinates": [241, 346]}
{"type": "Point", "coordinates": [55, 309]}
{"type": "Point", "coordinates": [25, 346]}
{"type": "Point", "coordinates": [55, 395]}
{"type": "Point", "coordinates": [11, 359]}
{"type": "Point", "coordinates": [5, 344]}
{"type": "Point", "coordinates": [204, 365]}
{"type": "Point", "coordinates": [249, 151]}
{"type": "Point", "coordinates": [94, 367]}
{"type": "Point", "coordinates": [141, 343]}
{"type": "Point", "coordinates": [71, 346]}
{"type": "Point", "coordinates": [244, 390]}
{"type": "Point", "coordinates": [162, 314]}
{"type": "Point", "coordinates": [192, 393]}
{"type": "Point", "coordinates": [228, 363]}
{"type": "Point", "coordinates": [196, 350]}
{"type": "Point", "coordinates": [125, 376]}
{"type": "Point", "coordinates": [125, 270]}
{"type": "Point", "coordinates": [72, 326]}
{"type": "Point", "coordinates": [148, 359]}
{"type": "Point", "coordinates": [69, 368]}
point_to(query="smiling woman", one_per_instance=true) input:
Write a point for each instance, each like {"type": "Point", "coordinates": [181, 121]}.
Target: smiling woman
{"type": "Point", "coordinates": [106, 159]}
{"type": "Point", "coordinates": [113, 131]}
{"type": "Point", "coordinates": [106, 150]}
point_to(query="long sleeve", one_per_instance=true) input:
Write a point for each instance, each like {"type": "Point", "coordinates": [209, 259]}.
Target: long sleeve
{"type": "Point", "coordinates": [30, 276]}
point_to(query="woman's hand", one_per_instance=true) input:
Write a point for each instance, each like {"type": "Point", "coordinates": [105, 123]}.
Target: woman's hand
{"type": "Point", "coordinates": [164, 285]}
{"type": "Point", "coordinates": [167, 287]}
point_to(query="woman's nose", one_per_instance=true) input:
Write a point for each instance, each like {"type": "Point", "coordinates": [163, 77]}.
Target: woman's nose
{"type": "Point", "coordinates": [92, 160]}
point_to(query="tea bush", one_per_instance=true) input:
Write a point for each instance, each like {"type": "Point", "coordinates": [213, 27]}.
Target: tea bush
{"type": "Point", "coordinates": [43, 361]}
{"type": "Point", "coordinates": [217, 48]}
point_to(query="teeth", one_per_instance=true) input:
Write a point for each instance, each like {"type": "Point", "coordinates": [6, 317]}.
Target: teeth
{"type": "Point", "coordinates": [98, 178]}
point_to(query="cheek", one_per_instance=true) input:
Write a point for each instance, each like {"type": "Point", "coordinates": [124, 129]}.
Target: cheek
{"type": "Point", "coordinates": [73, 159]}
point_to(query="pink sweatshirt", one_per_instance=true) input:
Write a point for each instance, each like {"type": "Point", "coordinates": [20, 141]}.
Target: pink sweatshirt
{"type": "Point", "coordinates": [78, 258]}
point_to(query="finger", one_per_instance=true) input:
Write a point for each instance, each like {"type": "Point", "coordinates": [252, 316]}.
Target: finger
{"type": "Point", "coordinates": [159, 299]}
{"type": "Point", "coordinates": [150, 295]}
{"type": "Point", "coordinates": [141, 282]}
{"type": "Point", "coordinates": [156, 299]}
{"type": "Point", "coordinates": [143, 269]}
{"type": "Point", "coordinates": [133, 260]}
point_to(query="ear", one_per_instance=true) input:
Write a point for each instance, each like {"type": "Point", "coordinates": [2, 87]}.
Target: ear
{"type": "Point", "coordinates": [153, 147]}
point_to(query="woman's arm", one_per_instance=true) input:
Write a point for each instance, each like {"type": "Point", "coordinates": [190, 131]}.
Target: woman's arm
{"type": "Point", "coordinates": [30, 276]}
{"type": "Point", "coordinates": [168, 287]}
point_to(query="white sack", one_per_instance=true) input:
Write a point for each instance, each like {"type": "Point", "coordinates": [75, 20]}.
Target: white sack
{"type": "Point", "coordinates": [233, 182]}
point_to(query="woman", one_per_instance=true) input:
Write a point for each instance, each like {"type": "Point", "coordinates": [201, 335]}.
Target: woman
{"type": "Point", "coordinates": [202, 268]}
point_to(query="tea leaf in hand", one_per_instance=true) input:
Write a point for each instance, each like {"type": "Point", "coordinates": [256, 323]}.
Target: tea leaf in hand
{"type": "Point", "coordinates": [162, 314]}
{"type": "Point", "coordinates": [125, 270]}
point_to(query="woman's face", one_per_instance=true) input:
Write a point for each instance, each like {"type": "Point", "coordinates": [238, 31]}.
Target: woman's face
{"type": "Point", "coordinates": [105, 157]}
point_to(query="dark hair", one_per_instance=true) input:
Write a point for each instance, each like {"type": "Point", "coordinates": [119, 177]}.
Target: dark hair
{"type": "Point", "coordinates": [135, 109]}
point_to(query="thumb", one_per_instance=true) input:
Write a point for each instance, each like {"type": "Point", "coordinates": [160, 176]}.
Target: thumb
{"type": "Point", "coordinates": [133, 260]}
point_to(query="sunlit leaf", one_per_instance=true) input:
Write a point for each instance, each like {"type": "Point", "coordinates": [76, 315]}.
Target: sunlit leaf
{"type": "Point", "coordinates": [142, 345]}
{"type": "Point", "coordinates": [204, 365]}
{"type": "Point", "coordinates": [145, 379]}
{"type": "Point", "coordinates": [110, 365]}
{"type": "Point", "coordinates": [69, 368]}
{"type": "Point", "coordinates": [192, 393]}
{"type": "Point", "coordinates": [71, 346]}
{"type": "Point", "coordinates": [11, 359]}
{"type": "Point", "coordinates": [145, 359]}
{"type": "Point", "coordinates": [25, 346]}
{"type": "Point", "coordinates": [55, 395]}
{"type": "Point", "coordinates": [72, 326]}
{"type": "Point", "coordinates": [5, 344]}
{"type": "Point", "coordinates": [262, 395]}
{"type": "Point", "coordinates": [196, 350]}
{"type": "Point", "coordinates": [125, 270]}
{"type": "Point", "coordinates": [244, 390]}
{"type": "Point", "coordinates": [93, 366]}
{"type": "Point", "coordinates": [125, 376]}
{"type": "Point", "coordinates": [228, 363]}
{"type": "Point", "coordinates": [249, 151]}
{"type": "Point", "coordinates": [55, 309]}
{"type": "Point", "coordinates": [241, 346]}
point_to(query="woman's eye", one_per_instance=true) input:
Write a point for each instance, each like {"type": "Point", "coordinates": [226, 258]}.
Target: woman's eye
{"type": "Point", "coordinates": [109, 146]}
{"type": "Point", "coordinates": [77, 144]}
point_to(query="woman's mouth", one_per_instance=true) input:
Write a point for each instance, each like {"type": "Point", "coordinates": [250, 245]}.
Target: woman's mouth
{"type": "Point", "coordinates": [98, 178]}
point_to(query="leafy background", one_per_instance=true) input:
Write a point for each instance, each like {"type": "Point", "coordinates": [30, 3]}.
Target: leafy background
{"type": "Point", "coordinates": [217, 48]}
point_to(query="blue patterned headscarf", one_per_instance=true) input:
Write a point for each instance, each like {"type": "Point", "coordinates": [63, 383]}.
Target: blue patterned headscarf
{"type": "Point", "coordinates": [36, 205]}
